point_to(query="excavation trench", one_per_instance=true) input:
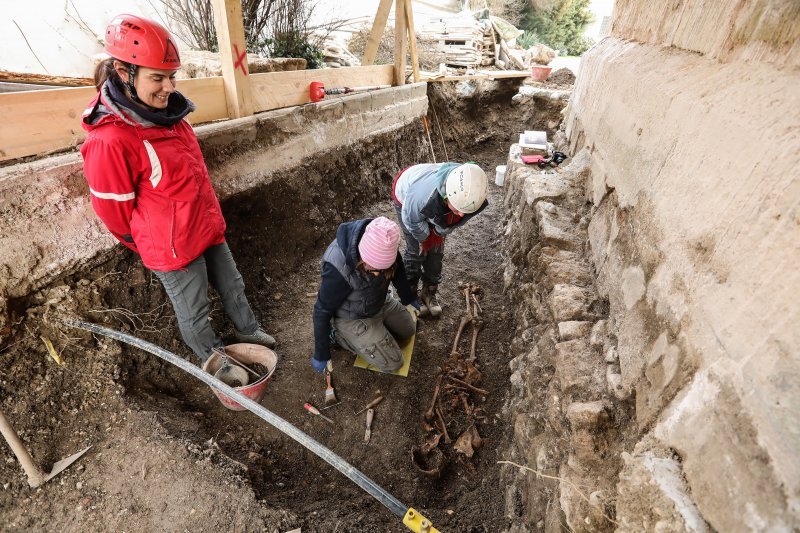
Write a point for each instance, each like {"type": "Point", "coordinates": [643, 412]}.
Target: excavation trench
{"type": "Point", "coordinates": [168, 456]}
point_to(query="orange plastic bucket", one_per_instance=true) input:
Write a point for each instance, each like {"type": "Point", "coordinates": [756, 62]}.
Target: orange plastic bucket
{"type": "Point", "coordinates": [246, 354]}
{"type": "Point", "coordinates": [540, 73]}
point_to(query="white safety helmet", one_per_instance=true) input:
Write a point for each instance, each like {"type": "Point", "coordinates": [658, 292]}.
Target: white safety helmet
{"type": "Point", "coordinates": [466, 187]}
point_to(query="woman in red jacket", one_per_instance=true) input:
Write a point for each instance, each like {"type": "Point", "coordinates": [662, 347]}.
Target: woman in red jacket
{"type": "Point", "coordinates": [150, 186]}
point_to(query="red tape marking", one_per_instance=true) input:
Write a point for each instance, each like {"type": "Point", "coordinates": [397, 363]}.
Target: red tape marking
{"type": "Point", "coordinates": [240, 61]}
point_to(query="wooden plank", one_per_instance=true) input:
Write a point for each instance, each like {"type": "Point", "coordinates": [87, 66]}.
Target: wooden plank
{"type": "Point", "coordinates": [233, 56]}
{"type": "Point", "coordinates": [400, 43]}
{"type": "Point", "coordinates": [42, 121]}
{"type": "Point", "coordinates": [375, 35]}
{"type": "Point", "coordinates": [208, 94]}
{"type": "Point", "coordinates": [412, 40]}
{"type": "Point", "coordinates": [50, 120]}
{"type": "Point", "coordinates": [273, 90]}
{"type": "Point", "coordinates": [484, 75]}
{"type": "Point", "coordinates": [44, 79]}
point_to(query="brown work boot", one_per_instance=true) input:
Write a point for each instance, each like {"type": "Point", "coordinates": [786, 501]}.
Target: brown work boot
{"type": "Point", "coordinates": [428, 297]}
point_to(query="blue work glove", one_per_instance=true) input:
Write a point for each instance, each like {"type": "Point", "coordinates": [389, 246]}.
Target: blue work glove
{"type": "Point", "coordinates": [415, 303]}
{"type": "Point", "coordinates": [319, 366]}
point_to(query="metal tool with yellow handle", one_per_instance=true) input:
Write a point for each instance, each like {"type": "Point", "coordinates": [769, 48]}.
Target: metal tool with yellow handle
{"type": "Point", "coordinates": [416, 522]}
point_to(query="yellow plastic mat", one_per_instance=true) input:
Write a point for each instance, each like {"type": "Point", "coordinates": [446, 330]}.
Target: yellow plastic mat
{"type": "Point", "coordinates": [408, 351]}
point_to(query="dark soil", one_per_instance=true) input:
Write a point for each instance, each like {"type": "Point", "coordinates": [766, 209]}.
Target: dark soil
{"type": "Point", "coordinates": [562, 77]}
{"type": "Point", "coordinates": [168, 456]}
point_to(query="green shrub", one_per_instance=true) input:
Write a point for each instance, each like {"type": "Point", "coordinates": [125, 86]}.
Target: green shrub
{"type": "Point", "coordinates": [294, 44]}
{"type": "Point", "coordinates": [579, 46]}
{"type": "Point", "coordinates": [528, 39]}
{"type": "Point", "coordinates": [561, 25]}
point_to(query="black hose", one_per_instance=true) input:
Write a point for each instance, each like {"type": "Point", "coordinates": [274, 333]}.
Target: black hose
{"type": "Point", "coordinates": [355, 475]}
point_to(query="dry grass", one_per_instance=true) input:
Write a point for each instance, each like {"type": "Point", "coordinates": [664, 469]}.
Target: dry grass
{"type": "Point", "coordinates": [429, 58]}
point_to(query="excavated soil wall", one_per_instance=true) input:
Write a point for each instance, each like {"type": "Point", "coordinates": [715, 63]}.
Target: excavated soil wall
{"type": "Point", "coordinates": [659, 273]}
{"type": "Point", "coordinates": [47, 227]}
{"type": "Point", "coordinates": [472, 113]}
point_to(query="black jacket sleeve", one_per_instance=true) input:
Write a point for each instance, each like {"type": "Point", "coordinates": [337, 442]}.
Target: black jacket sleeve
{"type": "Point", "coordinates": [332, 292]}
{"type": "Point", "coordinates": [400, 282]}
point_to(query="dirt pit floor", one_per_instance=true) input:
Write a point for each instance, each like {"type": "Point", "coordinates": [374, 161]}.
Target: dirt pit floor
{"type": "Point", "coordinates": [167, 456]}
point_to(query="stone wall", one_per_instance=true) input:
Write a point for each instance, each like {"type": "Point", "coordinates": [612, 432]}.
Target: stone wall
{"type": "Point", "coordinates": [566, 405]}
{"type": "Point", "coordinates": [48, 229]}
{"type": "Point", "coordinates": [690, 113]}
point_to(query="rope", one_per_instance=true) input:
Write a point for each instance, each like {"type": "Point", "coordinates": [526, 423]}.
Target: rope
{"type": "Point", "coordinates": [439, 127]}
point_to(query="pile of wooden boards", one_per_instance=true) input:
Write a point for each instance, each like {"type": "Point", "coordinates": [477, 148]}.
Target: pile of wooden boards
{"type": "Point", "coordinates": [335, 54]}
{"type": "Point", "coordinates": [465, 41]}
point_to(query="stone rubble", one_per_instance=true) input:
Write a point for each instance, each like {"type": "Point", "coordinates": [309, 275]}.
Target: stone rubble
{"type": "Point", "coordinates": [560, 372]}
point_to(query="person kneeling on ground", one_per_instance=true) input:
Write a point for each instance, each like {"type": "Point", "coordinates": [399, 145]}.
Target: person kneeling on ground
{"type": "Point", "coordinates": [354, 296]}
{"type": "Point", "coordinates": [150, 186]}
{"type": "Point", "coordinates": [432, 200]}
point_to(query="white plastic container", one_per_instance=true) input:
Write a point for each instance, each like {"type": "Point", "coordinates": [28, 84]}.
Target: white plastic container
{"type": "Point", "coordinates": [500, 175]}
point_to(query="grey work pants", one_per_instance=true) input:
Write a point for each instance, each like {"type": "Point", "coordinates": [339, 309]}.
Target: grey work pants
{"type": "Point", "coordinates": [188, 290]}
{"type": "Point", "coordinates": [428, 266]}
{"type": "Point", "coordinates": [374, 338]}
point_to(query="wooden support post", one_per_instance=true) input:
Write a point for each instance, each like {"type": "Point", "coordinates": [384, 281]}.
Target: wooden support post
{"type": "Point", "coordinates": [233, 56]}
{"type": "Point", "coordinates": [400, 43]}
{"type": "Point", "coordinates": [412, 39]}
{"type": "Point", "coordinates": [378, 25]}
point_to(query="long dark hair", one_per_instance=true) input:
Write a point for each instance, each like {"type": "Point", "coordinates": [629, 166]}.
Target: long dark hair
{"type": "Point", "coordinates": [387, 272]}
{"type": "Point", "coordinates": [103, 71]}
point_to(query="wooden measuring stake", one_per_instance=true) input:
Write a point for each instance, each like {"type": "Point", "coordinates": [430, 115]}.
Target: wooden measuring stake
{"type": "Point", "coordinates": [412, 38]}
{"type": "Point", "coordinates": [400, 43]}
{"type": "Point", "coordinates": [233, 56]}
{"type": "Point", "coordinates": [378, 25]}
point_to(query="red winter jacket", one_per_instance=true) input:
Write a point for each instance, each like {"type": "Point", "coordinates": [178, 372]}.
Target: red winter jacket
{"type": "Point", "coordinates": [150, 186]}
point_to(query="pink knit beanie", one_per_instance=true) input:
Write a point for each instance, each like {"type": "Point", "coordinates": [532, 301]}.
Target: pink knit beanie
{"type": "Point", "coordinates": [378, 245]}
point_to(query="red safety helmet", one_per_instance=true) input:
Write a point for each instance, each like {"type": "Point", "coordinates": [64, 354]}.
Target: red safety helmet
{"type": "Point", "coordinates": [141, 42]}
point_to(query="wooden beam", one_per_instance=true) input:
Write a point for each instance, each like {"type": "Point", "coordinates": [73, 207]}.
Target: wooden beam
{"type": "Point", "coordinates": [208, 94]}
{"type": "Point", "coordinates": [375, 35]}
{"type": "Point", "coordinates": [43, 121]}
{"type": "Point", "coordinates": [233, 56]}
{"type": "Point", "coordinates": [412, 39]}
{"type": "Point", "coordinates": [399, 43]}
{"type": "Point", "coordinates": [273, 90]}
{"type": "Point", "coordinates": [50, 120]}
{"type": "Point", "coordinates": [44, 79]}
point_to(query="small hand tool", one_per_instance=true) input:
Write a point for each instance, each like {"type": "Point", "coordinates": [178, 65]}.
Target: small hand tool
{"type": "Point", "coordinates": [35, 476]}
{"type": "Point", "coordinates": [330, 393]}
{"type": "Point", "coordinates": [340, 402]}
{"type": "Point", "coordinates": [314, 411]}
{"type": "Point", "coordinates": [317, 91]}
{"type": "Point", "coordinates": [371, 404]}
{"type": "Point", "coordinates": [368, 432]}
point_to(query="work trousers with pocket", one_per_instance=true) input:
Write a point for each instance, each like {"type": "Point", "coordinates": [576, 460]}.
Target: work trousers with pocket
{"type": "Point", "coordinates": [428, 267]}
{"type": "Point", "coordinates": [188, 290]}
{"type": "Point", "coordinates": [374, 338]}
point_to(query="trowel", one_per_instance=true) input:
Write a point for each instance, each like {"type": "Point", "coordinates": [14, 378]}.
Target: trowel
{"type": "Point", "coordinates": [35, 476]}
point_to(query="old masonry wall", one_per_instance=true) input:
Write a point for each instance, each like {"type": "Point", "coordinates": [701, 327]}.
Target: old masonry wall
{"type": "Point", "coordinates": [656, 279]}
{"type": "Point", "coordinates": [48, 229]}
